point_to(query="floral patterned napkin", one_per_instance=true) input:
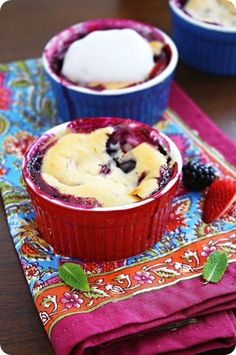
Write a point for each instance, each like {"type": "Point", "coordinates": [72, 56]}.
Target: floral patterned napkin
{"type": "Point", "coordinates": [119, 289]}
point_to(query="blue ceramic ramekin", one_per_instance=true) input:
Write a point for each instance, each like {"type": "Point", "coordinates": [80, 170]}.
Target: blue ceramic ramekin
{"type": "Point", "coordinates": [207, 47]}
{"type": "Point", "coordinates": [145, 102]}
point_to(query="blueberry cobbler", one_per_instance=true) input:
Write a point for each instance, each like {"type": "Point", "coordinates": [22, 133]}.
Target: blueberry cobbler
{"type": "Point", "coordinates": [102, 163]}
{"type": "Point", "coordinates": [218, 12]}
{"type": "Point", "coordinates": [111, 59]}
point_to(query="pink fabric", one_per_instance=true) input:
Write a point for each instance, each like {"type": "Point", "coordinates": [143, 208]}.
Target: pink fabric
{"type": "Point", "coordinates": [195, 118]}
{"type": "Point", "coordinates": [145, 312]}
{"type": "Point", "coordinates": [203, 335]}
{"type": "Point", "coordinates": [137, 320]}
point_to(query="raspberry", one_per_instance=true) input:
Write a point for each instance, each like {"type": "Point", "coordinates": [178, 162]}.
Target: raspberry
{"type": "Point", "coordinates": [197, 176]}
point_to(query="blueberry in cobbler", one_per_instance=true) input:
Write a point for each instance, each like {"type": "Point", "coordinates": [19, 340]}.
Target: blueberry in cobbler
{"type": "Point", "coordinates": [127, 166]}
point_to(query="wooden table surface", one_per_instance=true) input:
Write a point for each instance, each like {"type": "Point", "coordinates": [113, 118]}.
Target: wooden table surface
{"type": "Point", "coordinates": [25, 27]}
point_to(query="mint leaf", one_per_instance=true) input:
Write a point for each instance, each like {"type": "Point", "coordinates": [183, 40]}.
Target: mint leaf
{"type": "Point", "coordinates": [215, 266]}
{"type": "Point", "coordinates": [74, 276]}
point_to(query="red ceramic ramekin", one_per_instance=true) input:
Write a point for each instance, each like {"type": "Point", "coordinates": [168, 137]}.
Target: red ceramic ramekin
{"type": "Point", "coordinates": [101, 234]}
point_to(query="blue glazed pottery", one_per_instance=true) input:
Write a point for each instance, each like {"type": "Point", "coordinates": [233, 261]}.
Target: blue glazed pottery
{"type": "Point", "coordinates": [145, 102]}
{"type": "Point", "coordinates": [207, 47]}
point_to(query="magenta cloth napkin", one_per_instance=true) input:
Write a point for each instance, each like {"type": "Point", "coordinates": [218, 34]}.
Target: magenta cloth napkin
{"type": "Point", "coordinates": [204, 335]}
{"type": "Point", "coordinates": [137, 325]}
{"type": "Point", "coordinates": [188, 300]}
{"type": "Point", "coordinates": [155, 302]}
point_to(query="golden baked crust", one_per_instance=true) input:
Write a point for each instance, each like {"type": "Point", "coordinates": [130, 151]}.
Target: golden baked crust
{"type": "Point", "coordinates": [212, 11]}
{"type": "Point", "coordinates": [74, 166]}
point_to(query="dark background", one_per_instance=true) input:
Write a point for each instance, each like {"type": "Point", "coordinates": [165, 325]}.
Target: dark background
{"type": "Point", "coordinates": [25, 27]}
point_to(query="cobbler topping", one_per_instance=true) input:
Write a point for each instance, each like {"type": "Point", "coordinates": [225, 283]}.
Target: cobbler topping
{"type": "Point", "coordinates": [101, 162]}
{"type": "Point", "coordinates": [221, 12]}
{"type": "Point", "coordinates": [79, 164]}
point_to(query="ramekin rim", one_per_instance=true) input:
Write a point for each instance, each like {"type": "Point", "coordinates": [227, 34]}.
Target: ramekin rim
{"type": "Point", "coordinates": [57, 202]}
{"type": "Point", "coordinates": [139, 87]}
{"type": "Point", "coordinates": [198, 23]}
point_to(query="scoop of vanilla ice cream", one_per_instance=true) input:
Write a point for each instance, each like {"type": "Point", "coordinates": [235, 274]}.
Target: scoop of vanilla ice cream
{"type": "Point", "coordinates": [109, 56]}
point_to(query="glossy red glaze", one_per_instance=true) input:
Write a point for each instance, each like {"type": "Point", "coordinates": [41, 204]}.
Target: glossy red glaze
{"type": "Point", "coordinates": [102, 235]}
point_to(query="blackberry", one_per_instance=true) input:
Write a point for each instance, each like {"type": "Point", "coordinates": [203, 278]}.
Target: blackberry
{"type": "Point", "coordinates": [197, 176]}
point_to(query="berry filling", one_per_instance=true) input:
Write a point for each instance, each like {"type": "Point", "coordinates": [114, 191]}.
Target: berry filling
{"type": "Point", "coordinates": [111, 164]}
{"type": "Point", "coordinates": [105, 169]}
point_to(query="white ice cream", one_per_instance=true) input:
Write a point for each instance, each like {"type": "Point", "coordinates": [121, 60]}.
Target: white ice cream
{"type": "Point", "coordinates": [111, 56]}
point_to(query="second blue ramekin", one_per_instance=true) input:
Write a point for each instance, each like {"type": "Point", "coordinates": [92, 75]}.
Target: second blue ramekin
{"type": "Point", "coordinates": [207, 47]}
{"type": "Point", "coordinates": [145, 102]}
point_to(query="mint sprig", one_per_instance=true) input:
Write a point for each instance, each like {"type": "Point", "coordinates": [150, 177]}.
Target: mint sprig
{"type": "Point", "coordinates": [74, 276]}
{"type": "Point", "coordinates": [215, 266]}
